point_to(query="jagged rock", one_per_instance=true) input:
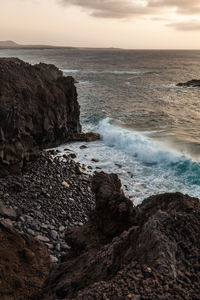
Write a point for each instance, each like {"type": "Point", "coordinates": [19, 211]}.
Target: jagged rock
{"type": "Point", "coordinates": [38, 109]}
{"type": "Point", "coordinates": [190, 83]}
{"type": "Point", "coordinates": [24, 264]}
{"type": "Point", "coordinates": [151, 251]}
{"type": "Point", "coordinates": [94, 160]}
{"type": "Point", "coordinates": [7, 212]}
{"type": "Point", "coordinates": [83, 147]}
{"type": "Point", "coordinates": [86, 137]}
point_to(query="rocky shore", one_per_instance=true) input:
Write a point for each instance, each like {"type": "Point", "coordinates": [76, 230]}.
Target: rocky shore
{"type": "Point", "coordinates": [127, 252]}
{"type": "Point", "coordinates": [48, 196]}
{"type": "Point", "coordinates": [67, 235]}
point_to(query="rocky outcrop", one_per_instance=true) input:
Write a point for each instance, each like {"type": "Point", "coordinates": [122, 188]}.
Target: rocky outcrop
{"type": "Point", "coordinates": [24, 263]}
{"type": "Point", "coordinates": [148, 252]}
{"type": "Point", "coordinates": [190, 83]}
{"type": "Point", "coordinates": [38, 109]}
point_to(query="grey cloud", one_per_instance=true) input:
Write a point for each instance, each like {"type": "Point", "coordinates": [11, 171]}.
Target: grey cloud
{"type": "Point", "coordinates": [112, 8]}
{"type": "Point", "coordinates": [128, 8]}
{"type": "Point", "coordinates": [186, 7]}
{"type": "Point", "coordinates": [186, 26]}
{"type": "Point", "coordinates": [123, 9]}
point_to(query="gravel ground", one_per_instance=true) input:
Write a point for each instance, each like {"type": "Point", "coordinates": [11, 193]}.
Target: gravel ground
{"type": "Point", "coordinates": [51, 195]}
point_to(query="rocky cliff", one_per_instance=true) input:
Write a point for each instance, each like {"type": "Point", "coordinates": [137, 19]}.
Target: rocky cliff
{"type": "Point", "coordinates": [148, 252]}
{"type": "Point", "coordinates": [38, 109]}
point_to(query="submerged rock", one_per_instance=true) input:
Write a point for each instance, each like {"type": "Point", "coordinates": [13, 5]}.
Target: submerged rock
{"type": "Point", "coordinates": [190, 83]}
{"type": "Point", "coordinates": [123, 252]}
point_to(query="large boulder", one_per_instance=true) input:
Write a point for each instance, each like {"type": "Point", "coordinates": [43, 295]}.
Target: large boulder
{"type": "Point", "coordinates": [38, 109]}
{"type": "Point", "coordinates": [148, 252]}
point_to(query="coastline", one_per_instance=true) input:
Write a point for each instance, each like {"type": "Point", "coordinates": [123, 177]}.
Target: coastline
{"type": "Point", "coordinates": [80, 236]}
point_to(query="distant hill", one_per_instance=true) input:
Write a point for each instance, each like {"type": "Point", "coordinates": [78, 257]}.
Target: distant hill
{"type": "Point", "coordinates": [8, 44]}
{"type": "Point", "coordinates": [11, 44]}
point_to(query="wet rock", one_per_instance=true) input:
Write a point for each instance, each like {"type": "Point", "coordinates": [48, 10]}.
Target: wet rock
{"type": "Point", "coordinates": [83, 147]}
{"type": "Point", "coordinates": [190, 83]}
{"type": "Point", "coordinates": [86, 137]}
{"type": "Point", "coordinates": [118, 165]}
{"type": "Point", "coordinates": [72, 155]}
{"type": "Point", "coordinates": [95, 160]}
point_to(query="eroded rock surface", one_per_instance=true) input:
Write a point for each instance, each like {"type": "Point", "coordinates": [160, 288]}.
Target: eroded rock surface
{"type": "Point", "coordinates": [24, 265]}
{"type": "Point", "coordinates": [38, 109]}
{"type": "Point", "coordinates": [148, 252]}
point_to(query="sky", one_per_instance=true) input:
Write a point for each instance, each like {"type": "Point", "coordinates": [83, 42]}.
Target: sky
{"type": "Point", "coordinates": [130, 24]}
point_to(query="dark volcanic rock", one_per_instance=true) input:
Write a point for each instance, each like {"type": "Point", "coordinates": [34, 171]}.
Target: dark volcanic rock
{"type": "Point", "coordinates": [38, 109]}
{"type": "Point", "coordinates": [190, 83]}
{"type": "Point", "coordinates": [49, 196]}
{"type": "Point", "coordinates": [153, 254]}
{"type": "Point", "coordinates": [25, 264]}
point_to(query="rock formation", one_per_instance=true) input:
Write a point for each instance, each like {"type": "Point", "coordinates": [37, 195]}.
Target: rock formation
{"type": "Point", "coordinates": [24, 265]}
{"type": "Point", "coordinates": [190, 83]}
{"type": "Point", "coordinates": [38, 109]}
{"type": "Point", "coordinates": [148, 252]}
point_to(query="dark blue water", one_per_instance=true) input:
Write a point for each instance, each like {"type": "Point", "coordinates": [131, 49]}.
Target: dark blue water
{"type": "Point", "coordinates": [148, 125]}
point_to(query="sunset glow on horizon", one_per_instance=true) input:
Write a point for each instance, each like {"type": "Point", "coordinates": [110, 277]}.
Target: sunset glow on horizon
{"type": "Point", "coordinates": [131, 24]}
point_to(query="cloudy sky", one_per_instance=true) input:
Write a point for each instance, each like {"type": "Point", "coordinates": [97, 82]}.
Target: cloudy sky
{"type": "Point", "coordinates": [136, 24]}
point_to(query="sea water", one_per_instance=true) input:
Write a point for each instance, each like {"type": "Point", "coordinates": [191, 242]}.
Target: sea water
{"type": "Point", "coordinates": [150, 129]}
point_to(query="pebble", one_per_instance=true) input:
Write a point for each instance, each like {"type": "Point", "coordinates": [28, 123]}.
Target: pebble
{"type": "Point", "coordinates": [61, 228]}
{"type": "Point", "coordinates": [7, 223]}
{"type": "Point", "coordinates": [57, 247]}
{"type": "Point", "coordinates": [54, 234]}
{"type": "Point", "coordinates": [42, 238]}
{"type": "Point", "coordinates": [31, 232]}
{"type": "Point", "coordinates": [50, 246]}
{"type": "Point", "coordinates": [44, 206]}
{"type": "Point", "coordinates": [54, 259]}
{"type": "Point", "coordinates": [65, 184]}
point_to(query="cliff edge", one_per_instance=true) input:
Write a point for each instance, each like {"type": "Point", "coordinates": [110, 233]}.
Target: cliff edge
{"type": "Point", "coordinates": [38, 109]}
{"type": "Point", "coordinates": [123, 252]}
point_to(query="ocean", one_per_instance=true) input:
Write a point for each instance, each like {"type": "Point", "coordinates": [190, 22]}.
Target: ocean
{"type": "Point", "coordinates": [150, 128]}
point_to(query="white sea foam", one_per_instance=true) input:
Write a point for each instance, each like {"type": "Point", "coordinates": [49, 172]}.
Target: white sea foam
{"type": "Point", "coordinates": [116, 72]}
{"type": "Point", "coordinates": [136, 144]}
{"type": "Point", "coordinates": [69, 71]}
{"type": "Point", "coordinates": [144, 166]}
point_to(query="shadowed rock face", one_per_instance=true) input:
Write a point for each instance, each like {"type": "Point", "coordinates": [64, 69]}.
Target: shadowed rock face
{"type": "Point", "coordinates": [25, 264]}
{"type": "Point", "coordinates": [190, 83]}
{"type": "Point", "coordinates": [148, 252]}
{"type": "Point", "coordinates": [38, 109]}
